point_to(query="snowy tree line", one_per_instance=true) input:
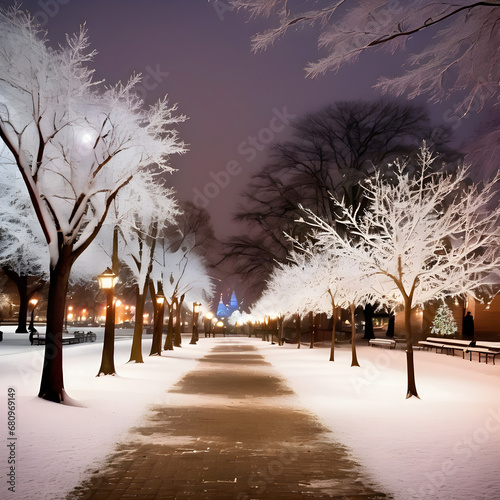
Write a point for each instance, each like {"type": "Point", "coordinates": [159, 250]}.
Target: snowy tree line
{"type": "Point", "coordinates": [81, 164]}
{"type": "Point", "coordinates": [424, 235]}
{"type": "Point", "coordinates": [411, 234]}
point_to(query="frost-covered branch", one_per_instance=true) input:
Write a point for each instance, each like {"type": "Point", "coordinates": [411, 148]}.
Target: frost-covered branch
{"type": "Point", "coordinates": [462, 54]}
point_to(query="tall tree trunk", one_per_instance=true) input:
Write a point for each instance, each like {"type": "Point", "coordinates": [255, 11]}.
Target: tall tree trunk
{"type": "Point", "coordinates": [354, 361]}
{"type": "Point", "coordinates": [22, 287]}
{"type": "Point", "coordinates": [108, 348]}
{"type": "Point", "coordinates": [25, 291]}
{"type": "Point", "coordinates": [177, 336]}
{"type": "Point", "coordinates": [390, 325]}
{"type": "Point", "coordinates": [334, 327]}
{"type": "Point", "coordinates": [368, 312]}
{"type": "Point", "coordinates": [136, 351]}
{"type": "Point", "coordinates": [410, 367]}
{"type": "Point", "coordinates": [298, 330]}
{"type": "Point", "coordinates": [281, 330]}
{"type": "Point", "coordinates": [194, 333]}
{"type": "Point", "coordinates": [312, 327]}
{"type": "Point", "coordinates": [52, 384]}
{"type": "Point", "coordinates": [169, 345]}
{"type": "Point", "coordinates": [158, 330]}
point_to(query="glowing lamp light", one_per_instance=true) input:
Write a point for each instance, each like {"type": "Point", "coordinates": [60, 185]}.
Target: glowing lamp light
{"type": "Point", "coordinates": [107, 280]}
{"type": "Point", "coordinates": [220, 323]}
{"type": "Point", "coordinates": [196, 307]}
{"type": "Point", "coordinates": [209, 315]}
{"type": "Point", "coordinates": [34, 302]}
{"type": "Point", "coordinates": [160, 299]}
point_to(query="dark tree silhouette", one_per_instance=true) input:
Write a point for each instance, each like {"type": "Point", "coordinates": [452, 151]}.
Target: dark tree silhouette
{"type": "Point", "coordinates": [331, 151]}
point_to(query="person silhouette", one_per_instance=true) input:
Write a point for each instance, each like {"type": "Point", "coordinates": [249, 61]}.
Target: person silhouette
{"type": "Point", "coordinates": [468, 325]}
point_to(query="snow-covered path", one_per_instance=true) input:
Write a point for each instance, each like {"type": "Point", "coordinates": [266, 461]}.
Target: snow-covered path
{"type": "Point", "coordinates": [447, 445]}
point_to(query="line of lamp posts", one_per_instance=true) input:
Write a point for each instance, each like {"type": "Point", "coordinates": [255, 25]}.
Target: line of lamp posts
{"type": "Point", "coordinates": [107, 282]}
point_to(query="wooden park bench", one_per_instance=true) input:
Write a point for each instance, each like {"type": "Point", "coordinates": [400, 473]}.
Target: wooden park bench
{"type": "Point", "coordinates": [387, 343]}
{"type": "Point", "coordinates": [448, 345]}
{"type": "Point", "coordinates": [487, 348]}
{"type": "Point", "coordinates": [85, 337]}
{"type": "Point", "coordinates": [78, 337]}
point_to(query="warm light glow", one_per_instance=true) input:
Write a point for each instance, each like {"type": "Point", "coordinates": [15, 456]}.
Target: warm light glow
{"type": "Point", "coordinates": [209, 315]}
{"type": "Point", "coordinates": [34, 302]}
{"type": "Point", "coordinates": [196, 307]}
{"type": "Point", "coordinates": [107, 280]}
{"type": "Point", "coordinates": [160, 299]}
{"type": "Point", "coordinates": [220, 323]}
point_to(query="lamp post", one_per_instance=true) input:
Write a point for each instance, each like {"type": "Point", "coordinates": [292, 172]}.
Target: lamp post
{"type": "Point", "coordinates": [69, 310]}
{"type": "Point", "coordinates": [107, 282]}
{"type": "Point", "coordinates": [196, 312]}
{"type": "Point", "coordinates": [158, 326]}
{"type": "Point", "coordinates": [31, 327]}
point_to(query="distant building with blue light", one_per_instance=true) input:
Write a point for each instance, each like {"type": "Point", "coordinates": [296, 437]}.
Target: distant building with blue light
{"type": "Point", "coordinates": [225, 310]}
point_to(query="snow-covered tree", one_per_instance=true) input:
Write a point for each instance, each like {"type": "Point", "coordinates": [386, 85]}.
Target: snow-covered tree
{"type": "Point", "coordinates": [457, 53]}
{"type": "Point", "coordinates": [23, 252]}
{"type": "Point", "coordinates": [338, 282]}
{"type": "Point", "coordinates": [142, 210]}
{"type": "Point", "coordinates": [75, 147]}
{"type": "Point", "coordinates": [422, 237]}
{"type": "Point", "coordinates": [463, 53]}
{"type": "Point", "coordinates": [284, 294]}
{"type": "Point", "coordinates": [444, 322]}
{"type": "Point", "coordinates": [317, 273]}
{"type": "Point", "coordinates": [330, 151]}
{"type": "Point", "coordinates": [182, 275]}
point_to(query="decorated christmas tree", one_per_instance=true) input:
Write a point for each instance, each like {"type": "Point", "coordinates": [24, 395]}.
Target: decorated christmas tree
{"type": "Point", "coordinates": [444, 323]}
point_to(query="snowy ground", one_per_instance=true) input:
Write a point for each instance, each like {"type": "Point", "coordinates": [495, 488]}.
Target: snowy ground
{"type": "Point", "coordinates": [444, 446]}
{"type": "Point", "coordinates": [57, 443]}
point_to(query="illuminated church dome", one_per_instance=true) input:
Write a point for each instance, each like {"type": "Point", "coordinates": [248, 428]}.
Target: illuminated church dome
{"type": "Point", "coordinates": [223, 310]}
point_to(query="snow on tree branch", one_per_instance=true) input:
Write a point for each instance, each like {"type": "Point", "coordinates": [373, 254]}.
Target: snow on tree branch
{"type": "Point", "coordinates": [463, 54]}
{"type": "Point", "coordinates": [75, 146]}
{"type": "Point", "coordinates": [429, 236]}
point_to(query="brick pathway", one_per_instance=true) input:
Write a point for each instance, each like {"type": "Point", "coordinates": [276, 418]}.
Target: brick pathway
{"type": "Point", "coordinates": [230, 429]}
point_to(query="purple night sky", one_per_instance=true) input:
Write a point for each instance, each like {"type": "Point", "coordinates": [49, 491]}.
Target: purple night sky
{"type": "Point", "coordinates": [237, 102]}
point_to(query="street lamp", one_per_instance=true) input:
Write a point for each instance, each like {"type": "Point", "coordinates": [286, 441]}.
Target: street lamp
{"type": "Point", "coordinates": [69, 312]}
{"type": "Point", "coordinates": [31, 327]}
{"type": "Point", "coordinates": [107, 282]}
{"type": "Point", "coordinates": [158, 326]}
{"type": "Point", "coordinates": [196, 312]}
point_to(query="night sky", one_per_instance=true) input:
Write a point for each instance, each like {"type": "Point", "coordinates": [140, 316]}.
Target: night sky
{"type": "Point", "coordinates": [237, 102]}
